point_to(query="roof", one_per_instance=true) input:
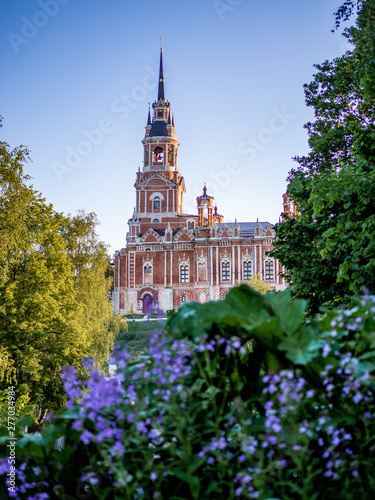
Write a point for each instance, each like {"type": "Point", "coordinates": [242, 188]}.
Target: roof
{"type": "Point", "coordinates": [247, 229]}
{"type": "Point", "coordinates": [158, 128]}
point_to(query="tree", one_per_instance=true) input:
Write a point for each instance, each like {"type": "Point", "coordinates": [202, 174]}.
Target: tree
{"type": "Point", "coordinates": [54, 308]}
{"type": "Point", "coordinates": [93, 281]}
{"type": "Point", "coordinates": [7, 370]}
{"type": "Point", "coordinates": [257, 284]}
{"type": "Point", "coordinates": [13, 200]}
{"type": "Point", "coordinates": [328, 249]}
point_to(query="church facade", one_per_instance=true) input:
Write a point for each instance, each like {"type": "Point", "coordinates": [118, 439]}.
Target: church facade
{"type": "Point", "coordinates": [172, 257]}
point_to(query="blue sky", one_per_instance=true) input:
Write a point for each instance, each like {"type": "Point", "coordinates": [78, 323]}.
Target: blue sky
{"type": "Point", "coordinates": [77, 76]}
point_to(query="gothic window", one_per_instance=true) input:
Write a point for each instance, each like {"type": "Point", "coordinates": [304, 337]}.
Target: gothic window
{"type": "Point", "coordinates": [184, 274]}
{"type": "Point", "coordinates": [225, 271]}
{"type": "Point", "coordinates": [156, 220]}
{"type": "Point", "coordinates": [156, 203]}
{"type": "Point", "coordinates": [269, 270]}
{"type": "Point", "coordinates": [183, 298]}
{"type": "Point", "coordinates": [148, 268]}
{"type": "Point", "coordinates": [191, 225]}
{"type": "Point", "coordinates": [158, 155]}
{"type": "Point", "coordinates": [247, 270]}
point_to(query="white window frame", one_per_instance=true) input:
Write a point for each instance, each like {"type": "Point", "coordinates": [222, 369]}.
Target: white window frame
{"type": "Point", "coordinates": [225, 272]}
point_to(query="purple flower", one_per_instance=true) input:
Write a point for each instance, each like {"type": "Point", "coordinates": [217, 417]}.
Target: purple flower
{"type": "Point", "coordinates": [357, 398]}
{"type": "Point", "coordinates": [272, 440]}
{"type": "Point", "coordinates": [236, 344]}
{"type": "Point", "coordinates": [86, 437]}
{"type": "Point", "coordinates": [77, 425]}
{"type": "Point", "coordinates": [326, 350]}
{"type": "Point", "coordinates": [141, 426]}
{"type": "Point", "coordinates": [268, 405]}
{"type": "Point", "coordinates": [246, 479]}
{"type": "Point", "coordinates": [105, 434]}
{"type": "Point", "coordinates": [118, 449]}
{"type": "Point", "coordinates": [211, 461]}
{"type": "Point", "coordinates": [238, 491]}
{"type": "Point", "coordinates": [153, 476]}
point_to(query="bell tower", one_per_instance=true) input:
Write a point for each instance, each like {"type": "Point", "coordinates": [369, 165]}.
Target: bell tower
{"type": "Point", "coordinates": [159, 186]}
{"type": "Point", "coordinates": [160, 143]}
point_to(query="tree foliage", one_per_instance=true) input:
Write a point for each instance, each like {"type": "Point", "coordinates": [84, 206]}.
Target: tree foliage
{"type": "Point", "coordinates": [54, 306]}
{"type": "Point", "coordinates": [328, 249]}
{"type": "Point", "coordinates": [257, 284]}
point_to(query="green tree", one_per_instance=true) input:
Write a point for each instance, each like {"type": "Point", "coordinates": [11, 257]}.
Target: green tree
{"type": "Point", "coordinates": [7, 370]}
{"type": "Point", "coordinates": [328, 249]}
{"type": "Point", "coordinates": [54, 308]}
{"type": "Point", "coordinates": [13, 200]}
{"type": "Point", "coordinates": [257, 284]}
{"type": "Point", "coordinates": [92, 281]}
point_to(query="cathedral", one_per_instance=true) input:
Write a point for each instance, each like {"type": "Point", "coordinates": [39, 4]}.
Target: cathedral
{"type": "Point", "coordinates": [172, 257]}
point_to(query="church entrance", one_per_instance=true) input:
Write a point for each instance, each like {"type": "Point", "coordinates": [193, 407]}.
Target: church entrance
{"type": "Point", "coordinates": [147, 303]}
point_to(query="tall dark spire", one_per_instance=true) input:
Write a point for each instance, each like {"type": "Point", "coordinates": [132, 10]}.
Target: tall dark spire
{"type": "Point", "coordinates": [161, 94]}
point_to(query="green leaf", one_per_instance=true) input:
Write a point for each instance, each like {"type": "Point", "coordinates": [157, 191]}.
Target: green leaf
{"type": "Point", "coordinates": [301, 349]}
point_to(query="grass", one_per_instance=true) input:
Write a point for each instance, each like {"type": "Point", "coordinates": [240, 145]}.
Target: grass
{"type": "Point", "coordinates": [137, 338]}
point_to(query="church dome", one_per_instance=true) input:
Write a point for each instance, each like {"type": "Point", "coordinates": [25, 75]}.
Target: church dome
{"type": "Point", "coordinates": [158, 129]}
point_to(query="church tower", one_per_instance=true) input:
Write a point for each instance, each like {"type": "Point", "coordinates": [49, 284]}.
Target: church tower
{"type": "Point", "coordinates": [159, 186]}
{"type": "Point", "coordinates": [172, 257]}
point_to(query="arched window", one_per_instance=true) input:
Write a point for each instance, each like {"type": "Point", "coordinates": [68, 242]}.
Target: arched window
{"type": "Point", "coordinates": [269, 270]}
{"type": "Point", "coordinates": [156, 220]}
{"type": "Point", "coordinates": [148, 268]}
{"type": "Point", "coordinates": [225, 271]}
{"type": "Point", "coordinates": [183, 298]}
{"type": "Point", "coordinates": [184, 274]}
{"type": "Point", "coordinates": [191, 225]}
{"type": "Point", "coordinates": [158, 155]}
{"type": "Point", "coordinates": [247, 270]}
{"type": "Point", "coordinates": [156, 203]}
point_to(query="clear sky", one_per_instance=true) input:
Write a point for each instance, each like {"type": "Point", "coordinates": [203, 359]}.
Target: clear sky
{"type": "Point", "coordinates": [77, 76]}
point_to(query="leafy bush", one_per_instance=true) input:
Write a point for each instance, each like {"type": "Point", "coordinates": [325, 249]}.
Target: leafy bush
{"type": "Point", "coordinates": [241, 398]}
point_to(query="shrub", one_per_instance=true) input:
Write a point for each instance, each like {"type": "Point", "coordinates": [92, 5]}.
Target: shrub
{"type": "Point", "coordinates": [241, 398]}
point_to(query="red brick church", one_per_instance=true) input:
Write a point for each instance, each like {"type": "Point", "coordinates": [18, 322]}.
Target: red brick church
{"type": "Point", "coordinates": [172, 257]}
